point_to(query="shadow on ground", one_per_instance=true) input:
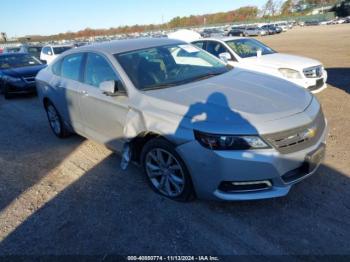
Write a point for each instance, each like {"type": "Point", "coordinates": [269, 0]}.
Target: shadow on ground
{"type": "Point", "coordinates": [109, 213]}
{"type": "Point", "coordinates": [340, 78]}
{"type": "Point", "coordinates": [24, 140]}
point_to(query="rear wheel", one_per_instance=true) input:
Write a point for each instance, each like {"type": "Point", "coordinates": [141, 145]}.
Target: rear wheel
{"type": "Point", "coordinates": [165, 170]}
{"type": "Point", "coordinates": [55, 121]}
{"type": "Point", "coordinates": [7, 94]}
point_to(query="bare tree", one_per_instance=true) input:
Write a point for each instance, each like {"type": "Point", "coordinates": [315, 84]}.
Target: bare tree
{"type": "Point", "coordinates": [270, 8]}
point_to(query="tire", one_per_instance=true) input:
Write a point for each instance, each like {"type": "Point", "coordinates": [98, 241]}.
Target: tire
{"type": "Point", "coordinates": [7, 94]}
{"type": "Point", "coordinates": [166, 176]}
{"type": "Point", "coordinates": [55, 121]}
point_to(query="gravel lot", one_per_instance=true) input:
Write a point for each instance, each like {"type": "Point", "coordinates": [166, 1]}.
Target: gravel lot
{"type": "Point", "coordinates": [70, 196]}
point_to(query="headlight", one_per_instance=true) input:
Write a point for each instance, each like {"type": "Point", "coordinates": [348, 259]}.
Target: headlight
{"type": "Point", "coordinates": [12, 79]}
{"type": "Point", "coordinates": [290, 73]}
{"type": "Point", "coordinates": [224, 142]}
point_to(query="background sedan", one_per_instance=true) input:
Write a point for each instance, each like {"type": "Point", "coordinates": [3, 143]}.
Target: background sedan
{"type": "Point", "coordinates": [17, 73]}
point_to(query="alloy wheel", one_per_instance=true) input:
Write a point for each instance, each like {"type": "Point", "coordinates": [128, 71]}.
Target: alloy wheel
{"type": "Point", "coordinates": [54, 119]}
{"type": "Point", "coordinates": [165, 172]}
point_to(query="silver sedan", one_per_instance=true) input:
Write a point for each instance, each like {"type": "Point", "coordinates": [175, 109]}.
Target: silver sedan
{"type": "Point", "coordinates": [197, 126]}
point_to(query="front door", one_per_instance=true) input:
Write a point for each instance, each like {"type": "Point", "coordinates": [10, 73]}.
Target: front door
{"type": "Point", "coordinates": [103, 116]}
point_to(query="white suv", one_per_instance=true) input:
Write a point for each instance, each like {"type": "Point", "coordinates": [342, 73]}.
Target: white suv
{"type": "Point", "coordinates": [50, 52]}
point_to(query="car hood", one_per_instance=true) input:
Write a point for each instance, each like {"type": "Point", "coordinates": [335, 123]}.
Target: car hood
{"type": "Point", "coordinates": [25, 71]}
{"type": "Point", "coordinates": [237, 98]}
{"type": "Point", "coordinates": [278, 60]}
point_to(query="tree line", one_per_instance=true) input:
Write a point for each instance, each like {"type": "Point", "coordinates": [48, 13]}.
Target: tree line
{"type": "Point", "coordinates": [271, 8]}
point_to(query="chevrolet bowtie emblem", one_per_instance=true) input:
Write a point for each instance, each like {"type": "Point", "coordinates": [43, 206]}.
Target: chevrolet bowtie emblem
{"type": "Point", "coordinates": [309, 133]}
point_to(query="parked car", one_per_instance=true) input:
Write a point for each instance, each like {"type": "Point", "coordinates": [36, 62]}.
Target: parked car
{"type": "Point", "coordinates": [283, 25]}
{"type": "Point", "coordinates": [271, 29]}
{"type": "Point", "coordinates": [245, 53]}
{"type": "Point", "coordinates": [50, 52]}
{"type": "Point", "coordinates": [12, 49]}
{"type": "Point", "coordinates": [311, 23]}
{"type": "Point", "coordinates": [33, 50]}
{"type": "Point", "coordinates": [254, 31]}
{"type": "Point", "coordinates": [17, 73]}
{"type": "Point", "coordinates": [212, 32]}
{"type": "Point", "coordinates": [196, 129]}
{"type": "Point", "coordinates": [236, 31]}
{"type": "Point", "coordinates": [278, 29]}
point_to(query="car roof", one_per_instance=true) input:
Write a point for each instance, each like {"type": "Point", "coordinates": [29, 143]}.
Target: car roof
{"type": "Point", "coordinates": [121, 46]}
{"type": "Point", "coordinates": [59, 45]}
{"type": "Point", "coordinates": [221, 39]}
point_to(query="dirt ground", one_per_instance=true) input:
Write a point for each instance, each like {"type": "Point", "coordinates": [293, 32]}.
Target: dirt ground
{"type": "Point", "coordinates": [70, 196]}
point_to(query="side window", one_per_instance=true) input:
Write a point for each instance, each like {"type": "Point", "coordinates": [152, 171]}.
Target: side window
{"type": "Point", "coordinates": [71, 66]}
{"type": "Point", "coordinates": [97, 70]}
{"type": "Point", "coordinates": [200, 44]}
{"type": "Point", "coordinates": [47, 50]}
{"type": "Point", "coordinates": [216, 48]}
{"type": "Point", "coordinates": [56, 68]}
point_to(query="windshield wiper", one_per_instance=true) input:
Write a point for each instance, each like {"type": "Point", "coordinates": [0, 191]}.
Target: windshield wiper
{"type": "Point", "coordinates": [197, 78]}
{"type": "Point", "coordinates": [206, 76]}
{"type": "Point", "coordinates": [160, 86]}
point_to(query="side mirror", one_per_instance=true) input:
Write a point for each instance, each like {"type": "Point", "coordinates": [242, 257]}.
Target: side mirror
{"type": "Point", "coordinates": [225, 57]}
{"type": "Point", "coordinates": [112, 88]}
{"type": "Point", "coordinates": [49, 53]}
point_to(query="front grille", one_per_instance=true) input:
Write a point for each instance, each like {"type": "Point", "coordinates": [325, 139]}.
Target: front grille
{"type": "Point", "coordinates": [297, 139]}
{"type": "Point", "coordinates": [29, 79]}
{"type": "Point", "coordinates": [313, 72]}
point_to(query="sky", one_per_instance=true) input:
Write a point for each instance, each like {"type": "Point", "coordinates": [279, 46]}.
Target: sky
{"type": "Point", "coordinates": [47, 17]}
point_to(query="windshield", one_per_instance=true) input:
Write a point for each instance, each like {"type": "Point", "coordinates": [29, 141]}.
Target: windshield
{"type": "Point", "coordinates": [60, 49]}
{"type": "Point", "coordinates": [171, 65]}
{"type": "Point", "coordinates": [13, 61]}
{"type": "Point", "coordinates": [248, 47]}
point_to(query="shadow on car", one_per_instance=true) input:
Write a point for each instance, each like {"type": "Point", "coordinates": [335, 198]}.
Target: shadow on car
{"type": "Point", "coordinates": [339, 78]}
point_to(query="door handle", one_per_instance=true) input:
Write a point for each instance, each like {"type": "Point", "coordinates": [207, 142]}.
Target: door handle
{"type": "Point", "coordinates": [84, 92]}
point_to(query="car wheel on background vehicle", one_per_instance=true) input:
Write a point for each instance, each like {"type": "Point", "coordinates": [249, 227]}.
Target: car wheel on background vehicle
{"type": "Point", "coordinates": [165, 170]}
{"type": "Point", "coordinates": [55, 121]}
{"type": "Point", "coordinates": [5, 91]}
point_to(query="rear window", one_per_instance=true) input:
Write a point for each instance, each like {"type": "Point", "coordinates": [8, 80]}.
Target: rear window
{"type": "Point", "coordinates": [56, 68]}
{"type": "Point", "coordinates": [60, 49]}
{"type": "Point", "coordinates": [71, 66]}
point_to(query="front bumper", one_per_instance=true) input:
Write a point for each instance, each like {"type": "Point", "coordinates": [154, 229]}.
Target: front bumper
{"type": "Point", "coordinates": [21, 87]}
{"type": "Point", "coordinates": [314, 85]}
{"type": "Point", "coordinates": [209, 169]}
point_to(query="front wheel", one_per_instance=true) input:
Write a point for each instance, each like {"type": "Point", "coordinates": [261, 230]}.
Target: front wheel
{"type": "Point", "coordinates": [165, 170]}
{"type": "Point", "coordinates": [55, 121]}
